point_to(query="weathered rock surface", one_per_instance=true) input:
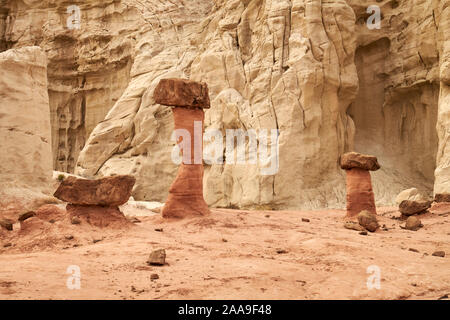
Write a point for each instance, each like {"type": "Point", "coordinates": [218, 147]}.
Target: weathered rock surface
{"type": "Point", "coordinates": [26, 152]}
{"type": "Point", "coordinates": [409, 194]}
{"type": "Point", "coordinates": [410, 207]}
{"type": "Point", "coordinates": [88, 67]}
{"type": "Point", "coordinates": [182, 93]}
{"type": "Point", "coordinates": [109, 191]}
{"type": "Point", "coordinates": [368, 220]}
{"type": "Point", "coordinates": [442, 172]}
{"type": "Point", "coordinates": [268, 65]}
{"type": "Point", "coordinates": [442, 197]}
{"type": "Point", "coordinates": [351, 160]}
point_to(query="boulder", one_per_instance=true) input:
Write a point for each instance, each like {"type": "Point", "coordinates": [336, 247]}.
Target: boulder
{"type": "Point", "coordinates": [368, 221]}
{"type": "Point", "coordinates": [182, 93]}
{"type": "Point", "coordinates": [413, 223]}
{"type": "Point", "coordinates": [109, 191]}
{"type": "Point", "coordinates": [352, 160]}
{"type": "Point", "coordinates": [410, 207]}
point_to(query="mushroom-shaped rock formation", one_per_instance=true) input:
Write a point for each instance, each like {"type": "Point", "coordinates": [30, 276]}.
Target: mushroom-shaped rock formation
{"type": "Point", "coordinates": [188, 98]}
{"type": "Point", "coordinates": [96, 201]}
{"type": "Point", "coordinates": [360, 194]}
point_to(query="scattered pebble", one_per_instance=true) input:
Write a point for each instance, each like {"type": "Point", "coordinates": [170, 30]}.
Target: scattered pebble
{"type": "Point", "coordinates": [439, 254]}
{"type": "Point", "coordinates": [7, 245]}
{"type": "Point", "coordinates": [154, 276]}
{"type": "Point", "coordinates": [159, 230]}
{"type": "Point", "coordinates": [6, 224]}
{"type": "Point", "coordinates": [363, 233]}
{"type": "Point", "coordinates": [305, 220]}
{"type": "Point", "coordinates": [368, 221]}
{"type": "Point", "coordinates": [445, 296]}
{"type": "Point", "coordinates": [157, 258]}
{"type": "Point", "coordinates": [75, 220]}
{"type": "Point", "coordinates": [68, 237]}
{"type": "Point", "coordinates": [96, 240]}
{"type": "Point", "coordinates": [135, 220]}
{"type": "Point", "coordinates": [267, 216]}
{"type": "Point", "coordinates": [281, 251]}
{"type": "Point", "coordinates": [224, 240]}
{"type": "Point", "coordinates": [413, 250]}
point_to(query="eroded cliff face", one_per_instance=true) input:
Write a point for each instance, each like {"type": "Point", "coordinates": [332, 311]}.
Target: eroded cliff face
{"type": "Point", "coordinates": [88, 68]}
{"type": "Point", "coordinates": [269, 65]}
{"type": "Point", "coordinates": [311, 69]}
{"type": "Point", "coordinates": [395, 111]}
{"type": "Point", "coordinates": [442, 182]}
{"type": "Point", "coordinates": [26, 152]}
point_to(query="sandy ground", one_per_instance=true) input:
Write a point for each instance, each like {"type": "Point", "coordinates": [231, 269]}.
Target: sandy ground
{"type": "Point", "coordinates": [236, 254]}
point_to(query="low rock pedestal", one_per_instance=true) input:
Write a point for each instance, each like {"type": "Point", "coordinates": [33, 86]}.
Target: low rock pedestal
{"type": "Point", "coordinates": [360, 194]}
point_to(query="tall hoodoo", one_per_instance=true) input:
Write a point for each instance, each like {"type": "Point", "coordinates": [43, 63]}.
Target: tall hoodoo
{"type": "Point", "coordinates": [188, 98]}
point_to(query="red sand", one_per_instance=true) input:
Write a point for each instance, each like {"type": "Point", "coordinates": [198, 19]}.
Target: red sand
{"type": "Point", "coordinates": [231, 254]}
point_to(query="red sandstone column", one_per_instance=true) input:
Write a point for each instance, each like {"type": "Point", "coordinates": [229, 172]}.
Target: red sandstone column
{"type": "Point", "coordinates": [188, 99]}
{"type": "Point", "coordinates": [360, 194]}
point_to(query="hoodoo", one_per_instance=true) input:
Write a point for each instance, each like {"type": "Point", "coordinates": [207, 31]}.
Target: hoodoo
{"type": "Point", "coordinates": [188, 99]}
{"type": "Point", "coordinates": [360, 194]}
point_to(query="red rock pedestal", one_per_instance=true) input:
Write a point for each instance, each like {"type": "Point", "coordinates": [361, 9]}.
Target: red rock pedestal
{"type": "Point", "coordinates": [186, 193]}
{"type": "Point", "coordinates": [360, 194]}
{"type": "Point", "coordinates": [96, 201]}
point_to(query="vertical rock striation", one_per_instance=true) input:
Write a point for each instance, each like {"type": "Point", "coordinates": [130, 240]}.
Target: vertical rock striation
{"type": "Point", "coordinates": [310, 69]}
{"type": "Point", "coordinates": [26, 154]}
